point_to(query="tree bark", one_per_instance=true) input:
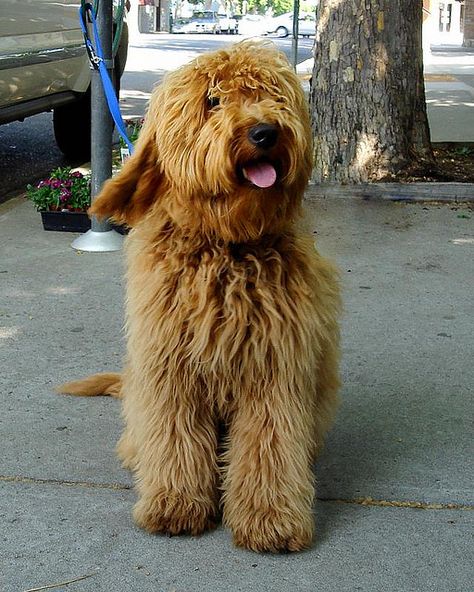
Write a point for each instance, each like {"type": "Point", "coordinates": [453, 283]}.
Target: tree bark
{"type": "Point", "coordinates": [368, 96]}
{"type": "Point", "coordinates": [468, 23]}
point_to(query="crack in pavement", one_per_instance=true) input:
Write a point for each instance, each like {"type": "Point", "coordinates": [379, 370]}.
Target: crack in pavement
{"type": "Point", "coordinates": [359, 501]}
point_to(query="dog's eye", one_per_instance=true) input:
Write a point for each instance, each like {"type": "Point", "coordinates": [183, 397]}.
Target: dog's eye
{"type": "Point", "coordinates": [212, 102]}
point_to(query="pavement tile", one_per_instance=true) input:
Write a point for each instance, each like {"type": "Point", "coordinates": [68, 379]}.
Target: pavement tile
{"type": "Point", "coordinates": [53, 534]}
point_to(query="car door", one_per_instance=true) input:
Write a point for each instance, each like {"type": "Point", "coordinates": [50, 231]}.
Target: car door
{"type": "Point", "coordinates": [41, 50]}
{"type": "Point", "coordinates": [307, 25]}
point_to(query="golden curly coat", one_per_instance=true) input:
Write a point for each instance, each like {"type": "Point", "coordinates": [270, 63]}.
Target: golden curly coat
{"type": "Point", "coordinates": [231, 312]}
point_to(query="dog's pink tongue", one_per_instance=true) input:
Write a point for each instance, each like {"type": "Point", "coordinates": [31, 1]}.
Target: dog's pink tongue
{"type": "Point", "coordinates": [261, 174]}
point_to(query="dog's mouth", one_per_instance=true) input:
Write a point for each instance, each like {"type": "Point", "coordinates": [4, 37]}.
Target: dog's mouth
{"type": "Point", "coordinates": [260, 173]}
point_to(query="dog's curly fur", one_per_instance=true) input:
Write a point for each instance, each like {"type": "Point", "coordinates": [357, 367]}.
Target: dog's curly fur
{"type": "Point", "coordinates": [231, 312]}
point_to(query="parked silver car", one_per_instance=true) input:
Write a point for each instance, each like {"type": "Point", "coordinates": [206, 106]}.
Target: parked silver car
{"type": "Point", "coordinates": [44, 66]}
{"type": "Point", "coordinates": [183, 25]}
{"type": "Point", "coordinates": [227, 24]}
{"type": "Point", "coordinates": [206, 21]}
{"type": "Point", "coordinates": [283, 25]}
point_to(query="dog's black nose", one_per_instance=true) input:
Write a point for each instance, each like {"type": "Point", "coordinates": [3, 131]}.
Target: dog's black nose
{"type": "Point", "coordinates": [263, 135]}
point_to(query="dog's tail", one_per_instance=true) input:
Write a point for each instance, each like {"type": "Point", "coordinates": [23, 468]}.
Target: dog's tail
{"type": "Point", "coordinates": [106, 383]}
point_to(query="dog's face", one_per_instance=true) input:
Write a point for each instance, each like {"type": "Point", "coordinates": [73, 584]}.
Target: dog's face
{"type": "Point", "coordinates": [225, 148]}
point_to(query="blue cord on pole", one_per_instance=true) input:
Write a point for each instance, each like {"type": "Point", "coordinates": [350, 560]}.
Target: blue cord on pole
{"type": "Point", "coordinates": [96, 58]}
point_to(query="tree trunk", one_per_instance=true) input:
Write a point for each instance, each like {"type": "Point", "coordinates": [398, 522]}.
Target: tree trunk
{"type": "Point", "coordinates": [468, 23]}
{"type": "Point", "coordinates": [368, 96]}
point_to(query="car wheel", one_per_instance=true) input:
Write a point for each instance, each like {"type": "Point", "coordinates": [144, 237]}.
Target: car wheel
{"type": "Point", "coordinates": [72, 122]}
{"type": "Point", "coordinates": [72, 128]}
{"type": "Point", "coordinates": [282, 32]}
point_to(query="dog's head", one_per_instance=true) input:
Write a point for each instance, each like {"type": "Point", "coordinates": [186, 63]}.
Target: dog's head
{"type": "Point", "coordinates": [225, 148]}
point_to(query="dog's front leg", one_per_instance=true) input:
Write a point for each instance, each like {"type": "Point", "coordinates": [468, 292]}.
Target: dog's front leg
{"type": "Point", "coordinates": [268, 488]}
{"type": "Point", "coordinates": [176, 466]}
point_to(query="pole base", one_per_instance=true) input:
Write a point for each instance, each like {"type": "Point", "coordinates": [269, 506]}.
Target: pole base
{"type": "Point", "coordinates": [98, 242]}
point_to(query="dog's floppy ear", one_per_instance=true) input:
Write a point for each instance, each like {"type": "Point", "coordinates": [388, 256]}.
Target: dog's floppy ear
{"type": "Point", "coordinates": [126, 198]}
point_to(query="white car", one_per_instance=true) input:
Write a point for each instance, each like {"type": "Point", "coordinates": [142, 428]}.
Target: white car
{"type": "Point", "coordinates": [227, 24]}
{"type": "Point", "coordinates": [206, 21]}
{"type": "Point", "coordinates": [282, 25]}
{"type": "Point", "coordinates": [183, 25]}
{"type": "Point", "coordinates": [252, 25]}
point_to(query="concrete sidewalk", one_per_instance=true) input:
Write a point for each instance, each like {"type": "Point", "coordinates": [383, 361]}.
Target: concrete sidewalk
{"type": "Point", "coordinates": [449, 87]}
{"type": "Point", "coordinates": [395, 480]}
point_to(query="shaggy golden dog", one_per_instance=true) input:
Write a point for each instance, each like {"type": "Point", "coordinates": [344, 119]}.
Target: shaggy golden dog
{"type": "Point", "coordinates": [231, 312]}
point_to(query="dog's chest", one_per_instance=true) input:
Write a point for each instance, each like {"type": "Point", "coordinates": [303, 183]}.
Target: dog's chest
{"type": "Point", "coordinates": [229, 312]}
{"type": "Point", "coordinates": [238, 289]}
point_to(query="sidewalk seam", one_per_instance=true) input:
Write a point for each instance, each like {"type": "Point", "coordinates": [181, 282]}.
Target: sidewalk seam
{"type": "Point", "coordinates": [65, 483]}
{"type": "Point", "coordinates": [414, 505]}
{"type": "Point", "coordinates": [360, 501]}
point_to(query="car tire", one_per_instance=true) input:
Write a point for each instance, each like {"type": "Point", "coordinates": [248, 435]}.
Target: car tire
{"type": "Point", "coordinates": [72, 122]}
{"type": "Point", "coordinates": [282, 32]}
{"type": "Point", "coordinates": [72, 128]}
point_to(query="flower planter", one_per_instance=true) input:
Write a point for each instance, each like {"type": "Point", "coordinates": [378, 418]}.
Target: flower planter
{"type": "Point", "coordinates": [72, 222]}
{"type": "Point", "coordinates": [63, 200]}
{"type": "Point", "coordinates": [66, 221]}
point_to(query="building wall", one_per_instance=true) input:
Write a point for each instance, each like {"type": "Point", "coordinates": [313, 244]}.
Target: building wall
{"type": "Point", "coordinates": [442, 22]}
{"type": "Point", "coordinates": [153, 15]}
{"type": "Point", "coordinates": [165, 12]}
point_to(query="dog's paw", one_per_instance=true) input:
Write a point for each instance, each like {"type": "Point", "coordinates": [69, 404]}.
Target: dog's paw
{"type": "Point", "coordinates": [174, 514]}
{"type": "Point", "coordinates": [270, 533]}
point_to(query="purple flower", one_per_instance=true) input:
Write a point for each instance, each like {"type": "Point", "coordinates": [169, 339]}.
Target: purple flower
{"type": "Point", "coordinates": [64, 195]}
{"type": "Point", "coordinates": [77, 175]}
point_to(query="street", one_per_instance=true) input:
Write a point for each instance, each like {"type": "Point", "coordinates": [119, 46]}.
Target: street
{"type": "Point", "coordinates": [28, 150]}
{"type": "Point", "coordinates": [151, 56]}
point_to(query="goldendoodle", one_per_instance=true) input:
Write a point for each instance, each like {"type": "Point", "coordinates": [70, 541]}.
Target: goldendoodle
{"type": "Point", "coordinates": [231, 375]}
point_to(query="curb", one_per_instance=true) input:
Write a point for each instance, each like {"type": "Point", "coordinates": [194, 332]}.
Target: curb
{"type": "Point", "coordinates": [406, 192]}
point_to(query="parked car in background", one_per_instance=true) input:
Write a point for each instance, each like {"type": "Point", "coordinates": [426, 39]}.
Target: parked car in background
{"type": "Point", "coordinates": [252, 25]}
{"type": "Point", "coordinates": [283, 25]}
{"type": "Point", "coordinates": [237, 18]}
{"type": "Point", "coordinates": [44, 66]}
{"type": "Point", "coordinates": [183, 25]}
{"type": "Point", "coordinates": [206, 21]}
{"type": "Point", "coordinates": [227, 24]}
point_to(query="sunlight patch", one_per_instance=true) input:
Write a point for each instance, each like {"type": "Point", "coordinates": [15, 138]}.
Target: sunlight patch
{"type": "Point", "coordinates": [463, 241]}
{"type": "Point", "coordinates": [62, 290]}
{"type": "Point", "coordinates": [8, 332]}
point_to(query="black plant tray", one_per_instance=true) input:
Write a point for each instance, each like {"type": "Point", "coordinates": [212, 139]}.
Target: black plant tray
{"type": "Point", "coordinates": [66, 221]}
{"type": "Point", "coordinates": [72, 222]}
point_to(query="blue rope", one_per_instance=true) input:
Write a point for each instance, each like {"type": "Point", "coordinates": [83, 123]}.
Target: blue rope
{"type": "Point", "coordinates": [96, 58]}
